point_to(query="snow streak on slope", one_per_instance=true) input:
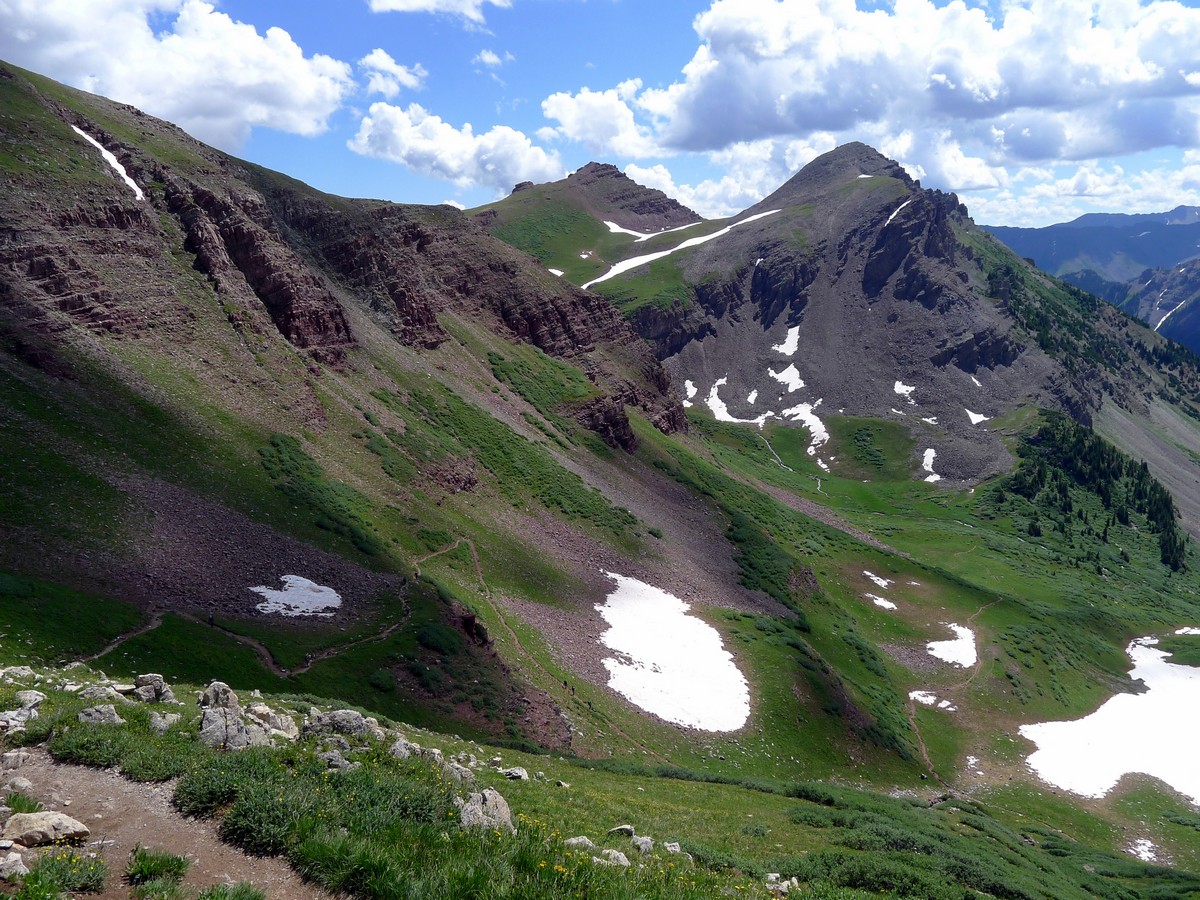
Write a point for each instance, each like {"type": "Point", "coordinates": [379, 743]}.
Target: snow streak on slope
{"type": "Point", "coordinates": [112, 161]}
{"type": "Point", "coordinates": [627, 264]}
{"type": "Point", "coordinates": [646, 235]}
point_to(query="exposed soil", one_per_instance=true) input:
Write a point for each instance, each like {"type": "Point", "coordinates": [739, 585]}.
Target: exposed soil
{"type": "Point", "coordinates": [122, 814]}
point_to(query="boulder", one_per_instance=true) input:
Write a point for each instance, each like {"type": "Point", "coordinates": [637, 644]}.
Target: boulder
{"type": "Point", "coordinates": [459, 774]}
{"type": "Point", "coordinates": [17, 673]}
{"type": "Point", "coordinates": [36, 829]}
{"type": "Point", "coordinates": [485, 810]}
{"type": "Point", "coordinates": [219, 695]}
{"type": "Point", "coordinates": [30, 699]}
{"type": "Point", "coordinates": [99, 692]}
{"type": "Point", "coordinates": [278, 724]}
{"type": "Point", "coordinates": [151, 688]}
{"type": "Point", "coordinates": [24, 785]}
{"type": "Point", "coordinates": [581, 842]}
{"type": "Point", "coordinates": [333, 759]}
{"type": "Point", "coordinates": [401, 749]}
{"type": "Point", "coordinates": [12, 867]}
{"type": "Point", "coordinates": [161, 724]}
{"type": "Point", "coordinates": [516, 773]}
{"type": "Point", "coordinates": [14, 759]}
{"type": "Point", "coordinates": [105, 714]}
{"type": "Point", "coordinates": [612, 858]}
{"type": "Point", "coordinates": [15, 719]}
{"type": "Point", "coordinates": [626, 830]}
{"type": "Point", "coordinates": [225, 729]}
{"type": "Point", "coordinates": [644, 844]}
{"type": "Point", "coordinates": [672, 847]}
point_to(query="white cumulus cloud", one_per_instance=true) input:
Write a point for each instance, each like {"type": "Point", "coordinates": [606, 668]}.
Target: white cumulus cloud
{"type": "Point", "coordinates": [386, 76]}
{"type": "Point", "coordinates": [601, 120]}
{"type": "Point", "coordinates": [492, 59]}
{"type": "Point", "coordinates": [413, 137]}
{"type": "Point", "coordinates": [216, 77]}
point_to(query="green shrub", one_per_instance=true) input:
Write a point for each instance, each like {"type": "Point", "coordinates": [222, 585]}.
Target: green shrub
{"type": "Point", "coordinates": [22, 803]}
{"type": "Point", "coordinates": [145, 866]}
{"type": "Point", "coordinates": [441, 639]}
{"type": "Point", "coordinates": [160, 889]}
{"type": "Point", "coordinates": [62, 871]}
{"type": "Point", "coordinates": [240, 891]}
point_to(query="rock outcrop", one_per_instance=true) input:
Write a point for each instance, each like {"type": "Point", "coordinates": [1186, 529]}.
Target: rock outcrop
{"type": "Point", "coordinates": [37, 829]}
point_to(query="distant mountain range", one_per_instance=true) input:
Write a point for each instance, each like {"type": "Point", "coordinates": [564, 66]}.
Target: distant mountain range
{"type": "Point", "coordinates": [1143, 263]}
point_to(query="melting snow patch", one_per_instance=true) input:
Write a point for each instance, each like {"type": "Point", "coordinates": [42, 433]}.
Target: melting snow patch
{"type": "Point", "coordinates": [791, 343]}
{"type": "Point", "coordinates": [112, 161]}
{"type": "Point", "coordinates": [931, 420]}
{"type": "Point", "coordinates": [882, 602]}
{"type": "Point", "coordinates": [884, 583]}
{"type": "Point", "coordinates": [757, 261]}
{"type": "Point", "coordinates": [1188, 630]}
{"type": "Point", "coordinates": [752, 396]}
{"type": "Point", "coordinates": [960, 651]}
{"type": "Point", "coordinates": [668, 662]}
{"type": "Point", "coordinates": [1143, 850]}
{"type": "Point", "coordinates": [927, 465]}
{"type": "Point", "coordinates": [1151, 732]}
{"type": "Point", "coordinates": [976, 418]}
{"type": "Point", "coordinates": [896, 212]}
{"type": "Point", "coordinates": [721, 412]}
{"type": "Point", "coordinates": [634, 262]}
{"type": "Point", "coordinates": [614, 228]}
{"type": "Point", "coordinates": [789, 376]}
{"type": "Point", "coordinates": [804, 412]}
{"type": "Point", "coordinates": [925, 698]}
{"type": "Point", "coordinates": [976, 380]}
{"type": "Point", "coordinates": [558, 272]}
{"type": "Point", "coordinates": [690, 387]}
{"type": "Point", "coordinates": [973, 763]}
{"type": "Point", "coordinates": [905, 391]}
{"type": "Point", "coordinates": [299, 597]}
{"type": "Point", "coordinates": [860, 177]}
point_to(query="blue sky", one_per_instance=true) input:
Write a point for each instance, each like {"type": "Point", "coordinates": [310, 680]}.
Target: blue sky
{"type": "Point", "coordinates": [1034, 111]}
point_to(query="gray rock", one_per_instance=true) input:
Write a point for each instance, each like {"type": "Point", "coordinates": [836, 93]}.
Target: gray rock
{"type": "Point", "coordinates": [19, 784]}
{"type": "Point", "coordinates": [626, 830]}
{"type": "Point", "coordinates": [278, 724]}
{"type": "Point", "coordinates": [225, 729]}
{"type": "Point", "coordinates": [161, 724]}
{"type": "Point", "coordinates": [105, 714]}
{"type": "Point", "coordinates": [30, 699]}
{"type": "Point", "coordinates": [582, 842]}
{"type": "Point", "coordinates": [485, 810]}
{"type": "Point", "coordinates": [401, 749]}
{"type": "Point", "coordinates": [14, 759]}
{"type": "Point", "coordinates": [562, 784]}
{"type": "Point", "coordinates": [612, 858]}
{"type": "Point", "coordinates": [12, 867]}
{"type": "Point", "coordinates": [459, 774]}
{"type": "Point", "coordinates": [5, 812]}
{"type": "Point", "coordinates": [219, 695]}
{"type": "Point", "coordinates": [644, 844]}
{"type": "Point", "coordinates": [672, 847]}
{"type": "Point", "coordinates": [99, 692]}
{"type": "Point", "coordinates": [17, 673]}
{"type": "Point", "coordinates": [6, 845]}
{"type": "Point", "coordinates": [333, 759]}
{"type": "Point", "coordinates": [15, 719]}
{"type": "Point", "coordinates": [36, 829]}
{"type": "Point", "coordinates": [516, 773]}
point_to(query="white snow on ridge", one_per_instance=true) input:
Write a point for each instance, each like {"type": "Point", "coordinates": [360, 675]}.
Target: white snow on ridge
{"type": "Point", "coordinates": [791, 343]}
{"type": "Point", "coordinates": [299, 597]}
{"type": "Point", "coordinates": [976, 380]}
{"type": "Point", "coordinates": [881, 582]}
{"type": "Point", "coordinates": [669, 663]}
{"type": "Point", "coordinates": [896, 211]}
{"type": "Point", "coordinates": [905, 391]}
{"type": "Point", "coordinates": [976, 418]}
{"type": "Point", "coordinates": [721, 412]}
{"type": "Point", "coordinates": [558, 272]}
{"type": "Point", "coordinates": [113, 162]}
{"type": "Point", "coordinates": [1163, 320]}
{"type": "Point", "coordinates": [789, 376]}
{"type": "Point", "coordinates": [634, 262]}
{"type": "Point", "coordinates": [1153, 732]}
{"type": "Point", "coordinates": [960, 651]}
{"type": "Point", "coordinates": [927, 465]}
{"type": "Point", "coordinates": [614, 228]}
{"type": "Point", "coordinates": [752, 396]}
{"type": "Point", "coordinates": [929, 420]}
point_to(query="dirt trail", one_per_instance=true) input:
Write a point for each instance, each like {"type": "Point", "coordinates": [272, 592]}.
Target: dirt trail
{"type": "Point", "coordinates": [487, 593]}
{"type": "Point", "coordinates": [155, 620]}
{"type": "Point", "coordinates": [122, 814]}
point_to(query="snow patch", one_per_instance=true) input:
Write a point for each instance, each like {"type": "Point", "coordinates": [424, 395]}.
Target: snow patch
{"type": "Point", "coordinates": [881, 582]}
{"type": "Point", "coordinates": [299, 597]}
{"type": "Point", "coordinates": [960, 651]}
{"type": "Point", "coordinates": [927, 465]}
{"type": "Point", "coordinates": [558, 272]}
{"type": "Point", "coordinates": [861, 177]}
{"type": "Point", "coordinates": [1153, 732]}
{"type": "Point", "coordinates": [112, 161]}
{"type": "Point", "coordinates": [614, 228]}
{"type": "Point", "coordinates": [1163, 320]}
{"type": "Point", "coordinates": [975, 417]}
{"type": "Point", "coordinates": [896, 212]}
{"type": "Point", "coordinates": [925, 698]}
{"type": "Point", "coordinates": [930, 420]}
{"type": "Point", "coordinates": [976, 381]}
{"type": "Point", "coordinates": [669, 663]}
{"type": "Point", "coordinates": [1188, 630]}
{"type": "Point", "coordinates": [905, 391]}
{"type": "Point", "coordinates": [791, 343]}
{"type": "Point", "coordinates": [752, 396]}
{"type": "Point", "coordinates": [1142, 848]}
{"type": "Point", "coordinates": [882, 602]}
{"type": "Point", "coordinates": [789, 377]}
{"type": "Point", "coordinates": [804, 413]}
{"type": "Point", "coordinates": [721, 412]}
{"type": "Point", "coordinates": [634, 262]}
